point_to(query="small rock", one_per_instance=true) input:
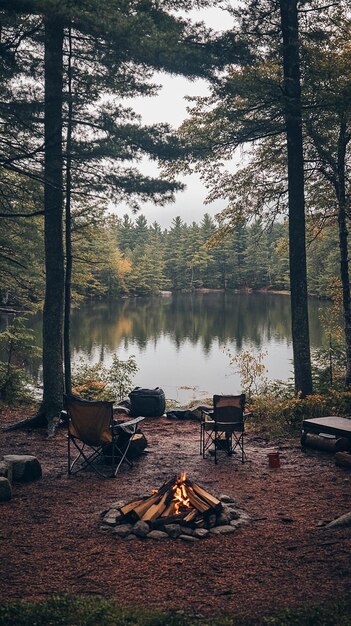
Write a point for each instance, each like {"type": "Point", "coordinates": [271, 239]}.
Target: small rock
{"type": "Point", "coordinates": [233, 514]}
{"type": "Point", "coordinates": [173, 530]}
{"type": "Point", "coordinates": [227, 499]}
{"type": "Point", "coordinates": [5, 489]}
{"type": "Point", "coordinates": [222, 530]}
{"type": "Point", "coordinates": [116, 505]}
{"type": "Point", "coordinates": [188, 538]}
{"type": "Point", "coordinates": [130, 537]}
{"type": "Point", "coordinates": [223, 519]}
{"type": "Point", "coordinates": [110, 518]}
{"type": "Point", "coordinates": [339, 522]}
{"type": "Point", "coordinates": [235, 523]}
{"type": "Point", "coordinates": [287, 520]}
{"type": "Point", "coordinates": [212, 521]}
{"type": "Point", "coordinates": [123, 530]}
{"type": "Point", "coordinates": [25, 467]}
{"type": "Point", "coordinates": [157, 534]}
{"type": "Point", "coordinates": [109, 521]}
{"type": "Point", "coordinates": [186, 530]}
{"type": "Point", "coordinates": [201, 533]}
{"type": "Point", "coordinates": [141, 528]}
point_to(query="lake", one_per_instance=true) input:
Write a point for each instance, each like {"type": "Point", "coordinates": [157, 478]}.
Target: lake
{"type": "Point", "coordinates": [179, 341]}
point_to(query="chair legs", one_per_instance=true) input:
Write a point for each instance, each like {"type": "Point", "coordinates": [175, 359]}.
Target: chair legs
{"type": "Point", "coordinates": [228, 444]}
{"type": "Point", "coordinates": [87, 460]}
{"type": "Point", "coordinates": [114, 452]}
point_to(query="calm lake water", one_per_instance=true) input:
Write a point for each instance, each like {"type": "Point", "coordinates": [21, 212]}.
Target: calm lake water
{"type": "Point", "coordinates": [179, 341]}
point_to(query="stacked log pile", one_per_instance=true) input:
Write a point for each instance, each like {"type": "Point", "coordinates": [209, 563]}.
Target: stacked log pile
{"type": "Point", "coordinates": [180, 507]}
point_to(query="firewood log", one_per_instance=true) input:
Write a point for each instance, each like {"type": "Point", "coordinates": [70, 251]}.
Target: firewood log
{"type": "Point", "coordinates": [155, 511]}
{"type": "Point", "coordinates": [197, 502]}
{"type": "Point", "coordinates": [124, 510]}
{"type": "Point", "coordinates": [190, 516]}
{"type": "Point", "coordinates": [141, 508]}
{"type": "Point", "coordinates": [172, 519]}
{"type": "Point", "coordinates": [207, 497]}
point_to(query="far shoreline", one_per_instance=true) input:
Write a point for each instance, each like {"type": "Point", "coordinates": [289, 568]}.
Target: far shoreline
{"type": "Point", "coordinates": [11, 310]}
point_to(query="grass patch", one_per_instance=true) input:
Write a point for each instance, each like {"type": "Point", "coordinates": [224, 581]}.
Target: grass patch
{"type": "Point", "coordinates": [91, 611]}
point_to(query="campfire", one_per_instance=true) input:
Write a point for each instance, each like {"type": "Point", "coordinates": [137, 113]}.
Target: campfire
{"type": "Point", "coordinates": [178, 500]}
{"type": "Point", "coordinates": [179, 508]}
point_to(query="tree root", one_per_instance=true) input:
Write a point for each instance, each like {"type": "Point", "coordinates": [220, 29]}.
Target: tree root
{"type": "Point", "coordinates": [36, 421]}
{"type": "Point", "coordinates": [42, 419]}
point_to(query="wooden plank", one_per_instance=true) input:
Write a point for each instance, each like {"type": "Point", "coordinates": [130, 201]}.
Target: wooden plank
{"type": "Point", "coordinates": [333, 425]}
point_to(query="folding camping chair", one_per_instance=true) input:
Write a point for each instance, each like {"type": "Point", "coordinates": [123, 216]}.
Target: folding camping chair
{"type": "Point", "coordinates": [95, 436]}
{"type": "Point", "coordinates": [223, 428]}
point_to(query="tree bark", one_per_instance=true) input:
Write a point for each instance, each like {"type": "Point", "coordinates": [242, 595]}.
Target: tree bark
{"type": "Point", "coordinates": [68, 224]}
{"type": "Point", "coordinates": [343, 245]}
{"type": "Point", "coordinates": [297, 228]}
{"type": "Point", "coordinates": [53, 202]}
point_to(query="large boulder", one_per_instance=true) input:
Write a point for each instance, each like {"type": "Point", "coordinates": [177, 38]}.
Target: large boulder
{"type": "Point", "coordinates": [340, 522]}
{"type": "Point", "coordinates": [5, 489]}
{"type": "Point", "coordinates": [25, 467]}
{"type": "Point", "coordinates": [6, 470]}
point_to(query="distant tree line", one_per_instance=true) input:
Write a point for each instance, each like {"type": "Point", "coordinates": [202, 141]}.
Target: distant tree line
{"type": "Point", "coordinates": [125, 256]}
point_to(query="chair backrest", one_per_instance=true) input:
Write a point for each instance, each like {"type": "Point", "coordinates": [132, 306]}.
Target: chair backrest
{"type": "Point", "coordinates": [90, 421]}
{"type": "Point", "coordinates": [229, 409]}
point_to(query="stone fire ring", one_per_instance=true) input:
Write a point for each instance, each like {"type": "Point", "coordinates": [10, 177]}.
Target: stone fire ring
{"type": "Point", "coordinates": [226, 521]}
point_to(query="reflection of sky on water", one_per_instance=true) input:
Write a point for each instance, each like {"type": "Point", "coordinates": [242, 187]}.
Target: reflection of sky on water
{"type": "Point", "coordinates": [188, 373]}
{"type": "Point", "coordinates": [179, 341]}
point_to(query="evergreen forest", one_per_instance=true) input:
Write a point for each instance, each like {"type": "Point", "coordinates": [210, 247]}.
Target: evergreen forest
{"type": "Point", "coordinates": [128, 257]}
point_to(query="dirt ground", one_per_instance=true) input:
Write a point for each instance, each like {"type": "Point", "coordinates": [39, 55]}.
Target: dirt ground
{"type": "Point", "coordinates": [50, 541]}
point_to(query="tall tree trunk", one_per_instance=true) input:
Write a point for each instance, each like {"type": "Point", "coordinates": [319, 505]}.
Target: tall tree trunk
{"type": "Point", "coordinates": [297, 234]}
{"type": "Point", "coordinates": [53, 200]}
{"type": "Point", "coordinates": [343, 245]}
{"type": "Point", "coordinates": [68, 224]}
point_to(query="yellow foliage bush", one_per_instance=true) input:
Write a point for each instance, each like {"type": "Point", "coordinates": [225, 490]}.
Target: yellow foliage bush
{"type": "Point", "coordinates": [273, 412]}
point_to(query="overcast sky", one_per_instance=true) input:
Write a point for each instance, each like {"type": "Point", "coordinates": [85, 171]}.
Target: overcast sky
{"type": "Point", "coordinates": [170, 106]}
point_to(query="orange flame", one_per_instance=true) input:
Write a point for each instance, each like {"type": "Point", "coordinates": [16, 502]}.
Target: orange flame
{"type": "Point", "coordinates": [180, 498]}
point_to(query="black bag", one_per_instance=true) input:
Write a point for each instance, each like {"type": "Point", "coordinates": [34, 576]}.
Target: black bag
{"type": "Point", "coordinates": [147, 402]}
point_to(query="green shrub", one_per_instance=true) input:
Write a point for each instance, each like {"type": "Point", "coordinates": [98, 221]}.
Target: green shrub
{"type": "Point", "coordinates": [15, 385]}
{"type": "Point", "coordinates": [98, 382]}
{"type": "Point", "coordinates": [276, 413]}
{"type": "Point", "coordinates": [18, 345]}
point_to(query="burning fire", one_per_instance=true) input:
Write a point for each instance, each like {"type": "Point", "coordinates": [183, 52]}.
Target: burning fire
{"type": "Point", "coordinates": [178, 500]}
{"type": "Point", "coordinates": [179, 495]}
{"type": "Point", "coordinates": [181, 499]}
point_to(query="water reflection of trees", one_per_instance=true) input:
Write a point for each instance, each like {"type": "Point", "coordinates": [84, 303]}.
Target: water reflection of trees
{"type": "Point", "coordinates": [199, 318]}
{"type": "Point", "coordinates": [205, 320]}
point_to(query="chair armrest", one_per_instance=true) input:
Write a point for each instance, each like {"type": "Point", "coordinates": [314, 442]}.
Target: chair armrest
{"type": "Point", "coordinates": [136, 420]}
{"type": "Point", "coordinates": [129, 426]}
{"type": "Point", "coordinates": [206, 416]}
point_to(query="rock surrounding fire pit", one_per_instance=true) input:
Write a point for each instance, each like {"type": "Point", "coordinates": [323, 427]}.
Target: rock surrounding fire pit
{"type": "Point", "coordinates": [179, 509]}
